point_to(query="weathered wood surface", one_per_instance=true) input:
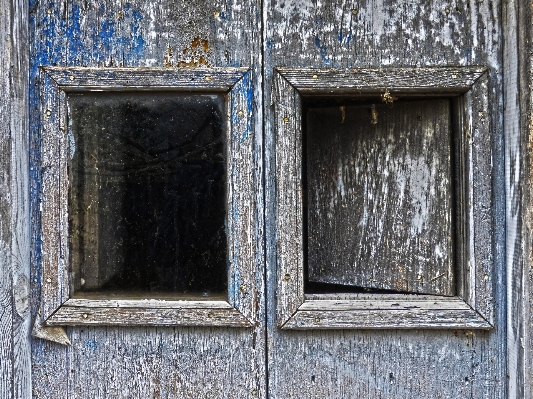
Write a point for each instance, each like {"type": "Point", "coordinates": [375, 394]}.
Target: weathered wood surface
{"type": "Point", "coordinates": [518, 119]}
{"type": "Point", "coordinates": [178, 362]}
{"type": "Point", "coordinates": [289, 222]}
{"type": "Point", "coordinates": [379, 196]}
{"type": "Point", "coordinates": [83, 79]}
{"type": "Point", "coordinates": [15, 321]}
{"type": "Point", "coordinates": [132, 316]}
{"type": "Point", "coordinates": [389, 363]}
{"type": "Point", "coordinates": [55, 201]}
{"type": "Point", "coordinates": [363, 80]}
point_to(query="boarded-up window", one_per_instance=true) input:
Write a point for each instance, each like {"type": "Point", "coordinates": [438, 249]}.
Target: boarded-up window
{"type": "Point", "coordinates": [380, 195]}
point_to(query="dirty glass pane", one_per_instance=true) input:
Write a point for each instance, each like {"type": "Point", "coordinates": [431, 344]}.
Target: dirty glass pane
{"type": "Point", "coordinates": [147, 199]}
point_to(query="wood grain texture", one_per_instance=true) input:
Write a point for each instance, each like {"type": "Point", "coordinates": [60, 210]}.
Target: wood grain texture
{"type": "Point", "coordinates": [15, 321]}
{"type": "Point", "coordinates": [240, 218]}
{"type": "Point", "coordinates": [289, 223]}
{"type": "Point", "coordinates": [392, 363]}
{"type": "Point", "coordinates": [55, 285]}
{"type": "Point", "coordinates": [130, 316]}
{"type": "Point", "coordinates": [179, 362]}
{"type": "Point", "coordinates": [120, 79]}
{"type": "Point", "coordinates": [518, 134]}
{"type": "Point", "coordinates": [380, 196]}
{"type": "Point", "coordinates": [363, 80]}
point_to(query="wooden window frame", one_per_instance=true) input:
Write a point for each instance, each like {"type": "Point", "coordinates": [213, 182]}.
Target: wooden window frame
{"type": "Point", "coordinates": [58, 308]}
{"type": "Point", "coordinates": [473, 306]}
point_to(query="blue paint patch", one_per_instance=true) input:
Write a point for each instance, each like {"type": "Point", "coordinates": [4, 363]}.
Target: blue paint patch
{"type": "Point", "coordinates": [74, 33]}
{"type": "Point", "coordinates": [323, 51]}
{"type": "Point", "coordinates": [91, 344]}
{"type": "Point", "coordinates": [138, 43]}
{"type": "Point", "coordinates": [345, 38]}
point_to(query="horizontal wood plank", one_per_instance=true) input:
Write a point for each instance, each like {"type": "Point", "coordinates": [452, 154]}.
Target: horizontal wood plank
{"type": "Point", "coordinates": [147, 304]}
{"type": "Point", "coordinates": [403, 318]}
{"type": "Point", "coordinates": [120, 316]}
{"type": "Point", "coordinates": [437, 303]}
{"type": "Point", "coordinates": [117, 79]}
{"type": "Point", "coordinates": [368, 80]}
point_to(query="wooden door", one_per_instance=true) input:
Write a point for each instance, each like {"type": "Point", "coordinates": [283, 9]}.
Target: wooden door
{"type": "Point", "coordinates": [114, 86]}
{"type": "Point", "coordinates": [347, 82]}
{"type": "Point", "coordinates": [375, 195]}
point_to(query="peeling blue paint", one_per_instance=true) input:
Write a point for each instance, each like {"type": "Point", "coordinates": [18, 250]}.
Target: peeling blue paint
{"type": "Point", "coordinates": [55, 40]}
{"type": "Point", "coordinates": [91, 344]}
{"type": "Point", "coordinates": [138, 43]}
{"type": "Point", "coordinates": [323, 51]}
{"type": "Point", "coordinates": [345, 38]}
{"type": "Point", "coordinates": [74, 33]}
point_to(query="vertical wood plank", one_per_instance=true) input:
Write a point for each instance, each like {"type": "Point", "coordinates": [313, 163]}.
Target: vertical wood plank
{"type": "Point", "coordinates": [518, 133]}
{"type": "Point", "coordinates": [380, 196]}
{"type": "Point", "coordinates": [14, 204]}
{"type": "Point", "coordinates": [289, 240]}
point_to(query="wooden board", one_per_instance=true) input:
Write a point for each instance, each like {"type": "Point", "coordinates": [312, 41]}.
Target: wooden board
{"type": "Point", "coordinates": [392, 363]}
{"type": "Point", "coordinates": [15, 317]}
{"type": "Point", "coordinates": [379, 196]}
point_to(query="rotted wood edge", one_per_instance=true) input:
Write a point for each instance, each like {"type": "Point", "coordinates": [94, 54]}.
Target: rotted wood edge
{"type": "Point", "coordinates": [368, 80]}
{"type": "Point", "coordinates": [57, 309]}
{"type": "Point", "coordinates": [475, 282]}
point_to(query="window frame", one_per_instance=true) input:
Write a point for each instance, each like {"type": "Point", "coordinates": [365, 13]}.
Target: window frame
{"type": "Point", "coordinates": [58, 308]}
{"type": "Point", "coordinates": [473, 306]}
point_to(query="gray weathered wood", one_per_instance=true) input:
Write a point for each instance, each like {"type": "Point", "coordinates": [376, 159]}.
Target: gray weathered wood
{"type": "Point", "coordinates": [364, 80]}
{"type": "Point", "coordinates": [289, 232]}
{"type": "Point", "coordinates": [391, 363]}
{"type": "Point", "coordinates": [519, 206]}
{"type": "Point", "coordinates": [15, 318]}
{"type": "Point", "coordinates": [380, 196]}
{"type": "Point", "coordinates": [120, 79]}
{"type": "Point", "coordinates": [329, 227]}
{"type": "Point", "coordinates": [240, 193]}
{"type": "Point", "coordinates": [132, 316]}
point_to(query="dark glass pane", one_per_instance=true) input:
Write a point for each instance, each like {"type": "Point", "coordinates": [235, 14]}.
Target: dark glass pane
{"type": "Point", "coordinates": [147, 194]}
